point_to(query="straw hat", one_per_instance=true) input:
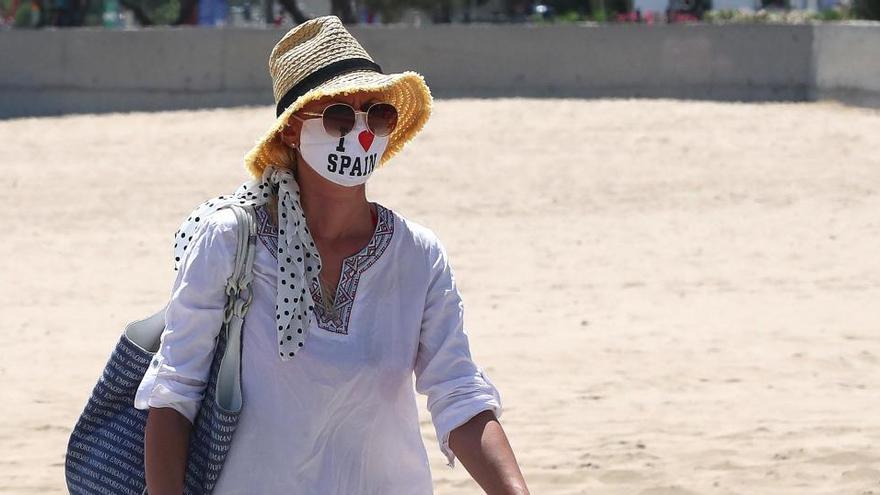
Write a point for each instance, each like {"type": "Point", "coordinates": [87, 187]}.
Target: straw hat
{"type": "Point", "coordinates": [321, 58]}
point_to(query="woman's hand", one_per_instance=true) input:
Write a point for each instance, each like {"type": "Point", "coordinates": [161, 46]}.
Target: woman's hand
{"type": "Point", "coordinates": [483, 449]}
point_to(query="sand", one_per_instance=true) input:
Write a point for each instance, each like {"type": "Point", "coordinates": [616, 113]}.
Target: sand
{"type": "Point", "coordinates": [673, 297]}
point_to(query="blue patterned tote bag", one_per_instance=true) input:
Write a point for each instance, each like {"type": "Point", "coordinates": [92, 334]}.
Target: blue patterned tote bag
{"type": "Point", "coordinates": [105, 452]}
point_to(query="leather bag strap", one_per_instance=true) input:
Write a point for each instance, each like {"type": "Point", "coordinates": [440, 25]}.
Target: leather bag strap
{"type": "Point", "coordinates": [228, 393]}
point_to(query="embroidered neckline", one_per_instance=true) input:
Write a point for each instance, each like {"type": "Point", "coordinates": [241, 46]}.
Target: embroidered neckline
{"type": "Point", "coordinates": [352, 267]}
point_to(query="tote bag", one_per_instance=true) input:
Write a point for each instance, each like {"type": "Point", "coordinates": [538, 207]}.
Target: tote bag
{"type": "Point", "coordinates": [105, 452]}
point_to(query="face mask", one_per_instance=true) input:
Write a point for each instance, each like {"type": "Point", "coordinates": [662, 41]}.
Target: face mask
{"type": "Point", "coordinates": [347, 161]}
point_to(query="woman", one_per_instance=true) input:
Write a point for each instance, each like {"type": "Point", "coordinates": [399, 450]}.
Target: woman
{"type": "Point", "coordinates": [350, 299]}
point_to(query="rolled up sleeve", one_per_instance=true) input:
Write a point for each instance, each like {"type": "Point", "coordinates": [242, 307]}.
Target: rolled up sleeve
{"type": "Point", "coordinates": [457, 389]}
{"type": "Point", "coordinates": [178, 374]}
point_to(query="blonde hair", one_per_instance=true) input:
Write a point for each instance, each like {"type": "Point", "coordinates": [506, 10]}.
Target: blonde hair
{"type": "Point", "coordinates": [281, 156]}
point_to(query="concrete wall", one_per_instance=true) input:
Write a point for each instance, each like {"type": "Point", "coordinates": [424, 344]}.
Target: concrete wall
{"type": "Point", "coordinates": [847, 63]}
{"type": "Point", "coordinates": [695, 61]}
{"type": "Point", "coordinates": [94, 70]}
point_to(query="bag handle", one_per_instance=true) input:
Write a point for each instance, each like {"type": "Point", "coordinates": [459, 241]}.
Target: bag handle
{"type": "Point", "coordinates": [242, 274]}
{"type": "Point", "coordinates": [228, 392]}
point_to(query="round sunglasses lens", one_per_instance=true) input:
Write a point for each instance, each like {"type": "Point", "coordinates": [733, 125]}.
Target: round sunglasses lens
{"type": "Point", "coordinates": [382, 119]}
{"type": "Point", "coordinates": [338, 119]}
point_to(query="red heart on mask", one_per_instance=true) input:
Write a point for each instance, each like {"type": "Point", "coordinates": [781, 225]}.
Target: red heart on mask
{"type": "Point", "coordinates": [366, 139]}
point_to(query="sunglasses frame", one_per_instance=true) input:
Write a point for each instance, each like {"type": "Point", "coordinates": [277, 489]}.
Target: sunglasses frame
{"type": "Point", "coordinates": [356, 113]}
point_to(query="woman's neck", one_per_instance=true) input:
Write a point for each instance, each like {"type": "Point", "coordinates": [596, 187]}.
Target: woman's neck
{"type": "Point", "coordinates": [332, 212]}
{"type": "Point", "coordinates": [335, 216]}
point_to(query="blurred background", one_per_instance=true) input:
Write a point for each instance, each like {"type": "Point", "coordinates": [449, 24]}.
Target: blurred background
{"type": "Point", "coordinates": [662, 216]}
{"type": "Point", "coordinates": [138, 13]}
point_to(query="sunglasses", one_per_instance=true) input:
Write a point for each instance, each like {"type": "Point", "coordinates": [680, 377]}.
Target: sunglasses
{"type": "Point", "coordinates": [339, 118]}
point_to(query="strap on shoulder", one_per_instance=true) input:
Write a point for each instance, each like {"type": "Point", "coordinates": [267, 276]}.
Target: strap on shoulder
{"type": "Point", "coordinates": [242, 274]}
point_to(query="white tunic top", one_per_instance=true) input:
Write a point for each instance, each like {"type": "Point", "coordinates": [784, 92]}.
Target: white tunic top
{"type": "Point", "coordinates": [341, 417]}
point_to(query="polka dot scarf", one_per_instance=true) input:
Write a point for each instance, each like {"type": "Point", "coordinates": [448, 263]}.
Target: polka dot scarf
{"type": "Point", "coordinates": [298, 259]}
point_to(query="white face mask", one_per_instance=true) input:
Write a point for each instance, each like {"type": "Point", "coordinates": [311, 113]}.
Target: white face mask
{"type": "Point", "coordinates": [347, 161]}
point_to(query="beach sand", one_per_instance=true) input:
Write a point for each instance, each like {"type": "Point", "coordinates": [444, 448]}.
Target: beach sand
{"type": "Point", "coordinates": [672, 297]}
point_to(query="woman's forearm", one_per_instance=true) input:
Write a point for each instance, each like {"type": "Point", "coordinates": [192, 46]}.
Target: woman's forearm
{"type": "Point", "coordinates": [483, 449]}
{"type": "Point", "coordinates": [166, 443]}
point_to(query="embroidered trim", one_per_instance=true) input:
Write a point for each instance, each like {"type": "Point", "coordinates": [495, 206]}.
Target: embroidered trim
{"type": "Point", "coordinates": [352, 267]}
{"type": "Point", "coordinates": [267, 232]}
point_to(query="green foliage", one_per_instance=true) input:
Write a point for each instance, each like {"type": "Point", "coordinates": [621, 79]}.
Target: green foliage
{"type": "Point", "coordinates": [94, 14]}
{"type": "Point", "coordinates": [166, 11]}
{"type": "Point", "coordinates": [720, 16]}
{"type": "Point", "coordinates": [837, 14]}
{"type": "Point", "coordinates": [570, 16]}
{"type": "Point", "coordinates": [26, 15]}
{"type": "Point", "coordinates": [599, 15]}
{"type": "Point", "coordinates": [162, 11]}
{"type": "Point", "coordinates": [777, 17]}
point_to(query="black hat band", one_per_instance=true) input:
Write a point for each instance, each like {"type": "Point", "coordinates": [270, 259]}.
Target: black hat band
{"type": "Point", "coordinates": [323, 75]}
